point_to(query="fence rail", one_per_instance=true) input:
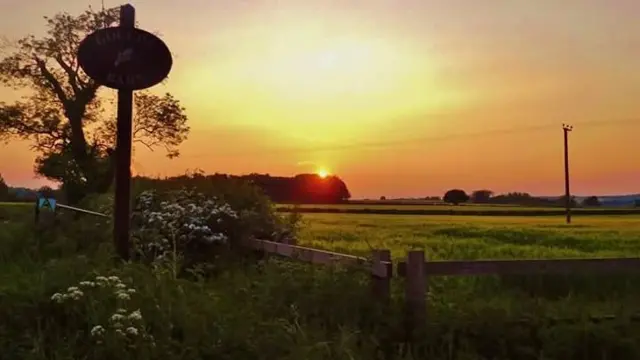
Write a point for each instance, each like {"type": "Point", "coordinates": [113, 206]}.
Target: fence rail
{"type": "Point", "coordinates": [83, 211]}
{"type": "Point", "coordinates": [528, 266]}
{"type": "Point", "coordinates": [379, 268]}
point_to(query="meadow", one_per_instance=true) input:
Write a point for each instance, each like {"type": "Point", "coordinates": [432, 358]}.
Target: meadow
{"type": "Point", "coordinates": [271, 308]}
{"type": "Point", "coordinates": [420, 208]}
{"type": "Point", "coordinates": [475, 237]}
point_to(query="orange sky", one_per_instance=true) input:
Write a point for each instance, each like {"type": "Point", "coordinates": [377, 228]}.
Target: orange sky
{"type": "Point", "coordinates": [290, 86]}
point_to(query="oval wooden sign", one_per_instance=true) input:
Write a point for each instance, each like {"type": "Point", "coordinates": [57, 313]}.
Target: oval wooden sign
{"type": "Point", "coordinates": [125, 58]}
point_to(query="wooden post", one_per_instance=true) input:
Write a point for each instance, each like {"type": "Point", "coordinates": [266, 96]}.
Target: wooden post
{"type": "Point", "coordinates": [122, 213]}
{"type": "Point", "coordinates": [567, 191]}
{"type": "Point", "coordinates": [382, 286]}
{"type": "Point", "coordinates": [415, 292]}
{"type": "Point", "coordinates": [37, 211]}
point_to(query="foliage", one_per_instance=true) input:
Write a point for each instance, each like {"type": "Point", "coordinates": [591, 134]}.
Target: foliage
{"type": "Point", "coordinates": [591, 201]}
{"type": "Point", "coordinates": [563, 202]}
{"type": "Point", "coordinates": [481, 196]}
{"type": "Point", "coordinates": [4, 189]}
{"type": "Point", "coordinates": [455, 196]}
{"type": "Point", "coordinates": [301, 189]}
{"type": "Point", "coordinates": [188, 226]}
{"type": "Point", "coordinates": [69, 124]}
{"type": "Point", "coordinates": [278, 309]}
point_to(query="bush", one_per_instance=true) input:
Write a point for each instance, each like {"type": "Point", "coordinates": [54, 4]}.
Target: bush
{"type": "Point", "coordinates": [189, 226]}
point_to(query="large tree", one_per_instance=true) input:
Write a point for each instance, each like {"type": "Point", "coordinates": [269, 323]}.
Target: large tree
{"type": "Point", "coordinates": [66, 115]}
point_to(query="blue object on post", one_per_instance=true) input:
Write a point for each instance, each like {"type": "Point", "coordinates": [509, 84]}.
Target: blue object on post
{"type": "Point", "coordinates": [44, 203]}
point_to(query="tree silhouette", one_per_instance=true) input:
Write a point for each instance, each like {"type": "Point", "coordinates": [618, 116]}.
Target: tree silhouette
{"type": "Point", "coordinates": [69, 124]}
{"type": "Point", "coordinates": [591, 201]}
{"type": "Point", "coordinates": [300, 189]}
{"type": "Point", "coordinates": [481, 196]}
{"type": "Point", "coordinates": [455, 196]}
{"type": "Point", "coordinates": [4, 189]}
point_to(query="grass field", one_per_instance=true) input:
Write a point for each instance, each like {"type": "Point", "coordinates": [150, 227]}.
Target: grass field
{"type": "Point", "coordinates": [484, 237]}
{"type": "Point", "coordinates": [282, 310]}
{"type": "Point", "coordinates": [470, 237]}
{"type": "Point", "coordinates": [442, 209]}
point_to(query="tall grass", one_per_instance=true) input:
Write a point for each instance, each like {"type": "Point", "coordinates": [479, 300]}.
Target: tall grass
{"type": "Point", "coordinates": [270, 308]}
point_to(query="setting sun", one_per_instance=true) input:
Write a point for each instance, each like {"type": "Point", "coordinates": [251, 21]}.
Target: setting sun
{"type": "Point", "coordinates": [323, 173]}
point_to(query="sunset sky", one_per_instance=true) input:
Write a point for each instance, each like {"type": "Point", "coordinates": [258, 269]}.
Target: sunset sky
{"type": "Point", "coordinates": [399, 98]}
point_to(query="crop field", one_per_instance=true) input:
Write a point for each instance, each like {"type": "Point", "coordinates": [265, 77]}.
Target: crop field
{"type": "Point", "coordinates": [475, 237]}
{"type": "Point", "coordinates": [418, 206]}
{"type": "Point", "coordinates": [485, 237]}
{"type": "Point", "coordinates": [444, 209]}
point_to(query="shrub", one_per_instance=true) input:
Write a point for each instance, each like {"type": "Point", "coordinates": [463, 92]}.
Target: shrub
{"type": "Point", "coordinates": [188, 226]}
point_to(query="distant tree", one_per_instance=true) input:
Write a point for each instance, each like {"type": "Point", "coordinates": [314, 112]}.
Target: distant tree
{"type": "Point", "coordinates": [4, 189]}
{"type": "Point", "coordinates": [383, 198]}
{"type": "Point", "coordinates": [46, 191]}
{"type": "Point", "coordinates": [591, 201]}
{"type": "Point", "coordinates": [481, 196]}
{"type": "Point", "coordinates": [455, 196]}
{"type": "Point", "coordinates": [636, 203]}
{"type": "Point", "coordinates": [561, 201]}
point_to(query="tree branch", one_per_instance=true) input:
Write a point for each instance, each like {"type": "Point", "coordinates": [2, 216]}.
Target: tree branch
{"type": "Point", "coordinates": [53, 82]}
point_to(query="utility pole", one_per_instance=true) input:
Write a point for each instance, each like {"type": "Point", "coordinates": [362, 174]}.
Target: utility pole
{"type": "Point", "coordinates": [567, 192]}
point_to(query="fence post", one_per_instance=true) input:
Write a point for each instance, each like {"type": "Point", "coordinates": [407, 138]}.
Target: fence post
{"type": "Point", "coordinates": [415, 293]}
{"type": "Point", "coordinates": [382, 286]}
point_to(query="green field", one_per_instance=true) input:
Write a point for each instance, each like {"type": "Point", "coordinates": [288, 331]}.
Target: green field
{"type": "Point", "coordinates": [419, 206]}
{"type": "Point", "coordinates": [278, 309]}
{"type": "Point", "coordinates": [443, 209]}
{"type": "Point", "coordinates": [485, 237]}
{"type": "Point", "coordinates": [470, 237]}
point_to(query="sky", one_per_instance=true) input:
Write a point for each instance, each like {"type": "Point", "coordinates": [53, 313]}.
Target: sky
{"type": "Point", "coordinates": [399, 98]}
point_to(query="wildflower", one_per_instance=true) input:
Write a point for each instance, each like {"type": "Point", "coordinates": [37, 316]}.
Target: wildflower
{"type": "Point", "coordinates": [117, 317]}
{"type": "Point", "coordinates": [97, 330]}
{"type": "Point", "coordinates": [123, 295]}
{"type": "Point", "coordinates": [57, 297]}
{"type": "Point", "coordinates": [132, 331]}
{"type": "Point", "coordinates": [135, 315]}
{"type": "Point", "coordinates": [76, 295]}
{"type": "Point", "coordinates": [131, 291]}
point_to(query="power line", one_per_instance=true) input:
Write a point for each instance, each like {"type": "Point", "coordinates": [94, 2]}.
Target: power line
{"type": "Point", "coordinates": [430, 139]}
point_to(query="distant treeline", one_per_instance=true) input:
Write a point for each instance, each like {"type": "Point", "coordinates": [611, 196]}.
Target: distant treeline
{"type": "Point", "coordinates": [313, 189]}
{"type": "Point", "coordinates": [460, 197]}
{"type": "Point", "coordinates": [299, 189]}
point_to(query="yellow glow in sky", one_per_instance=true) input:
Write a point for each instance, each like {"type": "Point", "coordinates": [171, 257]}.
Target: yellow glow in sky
{"type": "Point", "coordinates": [292, 86]}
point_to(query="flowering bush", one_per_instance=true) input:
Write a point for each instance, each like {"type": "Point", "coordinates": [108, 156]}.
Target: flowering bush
{"type": "Point", "coordinates": [108, 302]}
{"type": "Point", "coordinates": [189, 225]}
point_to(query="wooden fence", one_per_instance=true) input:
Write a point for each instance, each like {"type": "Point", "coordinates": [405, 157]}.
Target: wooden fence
{"type": "Point", "coordinates": [416, 270]}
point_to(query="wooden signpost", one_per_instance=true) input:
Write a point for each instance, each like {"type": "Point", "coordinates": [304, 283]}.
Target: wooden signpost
{"type": "Point", "coordinates": [126, 59]}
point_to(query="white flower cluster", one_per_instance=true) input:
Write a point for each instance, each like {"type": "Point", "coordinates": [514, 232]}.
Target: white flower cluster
{"type": "Point", "coordinates": [123, 323]}
{"type": "Point", "coordinates": [121, 291]}
{"type": "Point", "coordinates": [186, 218]}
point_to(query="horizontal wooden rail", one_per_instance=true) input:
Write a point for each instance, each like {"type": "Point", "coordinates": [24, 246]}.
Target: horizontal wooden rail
{"type": "Point", "coordinates": [82, 210]}
{"type": "Point", "coordinates": [380, 269]}
{"type": "Point", "coordinates": [505, 267]}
